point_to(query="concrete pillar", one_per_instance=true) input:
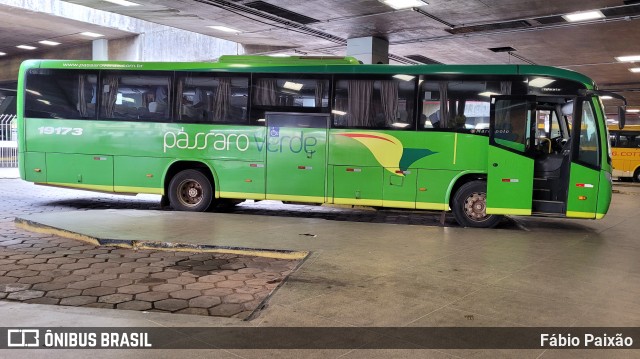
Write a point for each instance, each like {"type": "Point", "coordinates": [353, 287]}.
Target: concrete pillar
{"type": "Point", "coordinates": [100, 50]}
{"type": "Point", "coordinates": [369, 50]}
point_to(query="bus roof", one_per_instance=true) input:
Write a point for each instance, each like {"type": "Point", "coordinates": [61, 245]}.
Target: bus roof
{"type": "Point", "coordinates": [311, 64]}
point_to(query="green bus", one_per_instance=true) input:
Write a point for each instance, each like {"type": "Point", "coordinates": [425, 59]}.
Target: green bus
{"type": "Point", "coordinates": [480, 140]}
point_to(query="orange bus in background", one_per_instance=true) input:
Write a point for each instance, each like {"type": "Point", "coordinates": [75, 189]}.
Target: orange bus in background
{"type": "Point", "coordinates": [625, 152]}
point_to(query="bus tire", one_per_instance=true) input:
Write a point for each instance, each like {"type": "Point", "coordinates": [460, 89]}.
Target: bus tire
{"type": "Point", "coordinates": [190, 190]}
{"type": "Point", "coordinates": [636, 175]}
{"type": "Point", "coordinates": [469, 206]}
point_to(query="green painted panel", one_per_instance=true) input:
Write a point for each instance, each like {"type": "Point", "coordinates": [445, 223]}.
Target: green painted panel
{"type": "Point", "coordinates": [399, 188]}
{"type": "Point", "coordinates": [509, 182]}
{"type": "Point", "coordinates": [296, 161]}
{"type": "Point", "coordinates": [76, 169]}
{"type": "Point", "coordinates": [34, 161]}
{"type": "Point", "coordinates": [432, 188]}
{"type": "Point", "coordinates": [358, 185]}
{"type": "Point", "coordinates": [239, 179]}
{"type": "Point", "coordinates": [139, 172]}
{"type": "Point", "coordinates": [604, 193]}
{"type": "Point", "coordinates": [584, 183]}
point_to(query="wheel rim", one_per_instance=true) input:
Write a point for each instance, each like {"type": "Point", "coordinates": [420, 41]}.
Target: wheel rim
{"type": "Point", "coordinates": [190, 193]}
{"type": "Point", "coordinates": [475, 207]}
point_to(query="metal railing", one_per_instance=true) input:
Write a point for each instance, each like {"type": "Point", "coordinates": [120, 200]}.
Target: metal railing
{"type": "Point", "coordinates": [8, 141]}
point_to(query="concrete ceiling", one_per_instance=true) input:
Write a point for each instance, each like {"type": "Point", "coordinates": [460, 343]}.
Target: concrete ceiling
{"type": "Point", "coordinates": [445, 31]}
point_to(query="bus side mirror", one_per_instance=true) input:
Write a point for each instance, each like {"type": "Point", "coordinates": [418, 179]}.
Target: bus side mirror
{"type": "Point", "coordinates": [622, 112]}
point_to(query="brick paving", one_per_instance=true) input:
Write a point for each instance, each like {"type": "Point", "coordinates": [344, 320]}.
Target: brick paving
{"type": "Point", "coordinates": [47, 269]}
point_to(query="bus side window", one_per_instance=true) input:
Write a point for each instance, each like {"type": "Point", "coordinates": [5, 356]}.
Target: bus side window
{"type": "Point", "coordinates": [60, 94]}
{"type": "Point", "coordinates": [461, 105]}
{"type": "Point", "coordinates": [135, 96]}
{"type": "Point", "coordinates": [386, 103]}
{"type": "Point", "coordinates": [292, 93]}
{"type": "Point", "coordinates": [589, 147]}
{"type": "Point", "coordinates": [207, 98]}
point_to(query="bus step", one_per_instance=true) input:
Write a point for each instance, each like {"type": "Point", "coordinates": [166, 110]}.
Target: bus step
{"type": "Point", "coordinates": [541, 194]}
{"type": "Point", "coordinates": [547, 206]}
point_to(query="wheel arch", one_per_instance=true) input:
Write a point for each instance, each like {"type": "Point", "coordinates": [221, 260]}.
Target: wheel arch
{"type": "Point", "coordinates": [460, 180]}
{"type": "Point", "coordinates": [180, 165]}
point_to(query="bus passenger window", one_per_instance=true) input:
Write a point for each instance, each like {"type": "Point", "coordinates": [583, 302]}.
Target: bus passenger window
{"type": "Point", "coordinates": [205, 98]}
{"type": "Point", "coordinates": [382, 104]}
{"type": "Point", "coordinates": [66, 94]}
{"type": "Point", "coordinates": [128, 96]}
{"type": "Point", "coordinates": [459, 104]}
{"type": "Point", "coordinates": [290, 94]}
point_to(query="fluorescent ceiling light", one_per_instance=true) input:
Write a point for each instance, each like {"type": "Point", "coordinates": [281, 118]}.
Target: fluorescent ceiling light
{"type": "Point", "coordinates": [633, 110]}
{"type": "Point", "coordinates": [583, 16]}
{"type": "Point", "coordinates": [2, 53]}
{"type": "Point", "coordinates": [635, 69]}
{"type": "Point", "coordinates": [44, 102]}
{"type": "Point", "coordinates": [292, 86]}
{"type": "Point", "coordinates": [224, 28]}
{"type": "Point", "coordinates": [49, 43]}
{"type": "Point", "coordinates": [91, 34]}
{"type": "Point", "coordinates": [606, 97]}
{"type": "Point", "coordinates": [26, 47]}
{"type": "Point", "coordinates": [261, 120]}
{"type": "Point", "coordinates": [404, 4]}
{"type": "Point", "coordinates": [339, 113]}
{"type": "Point", "coordinates": [631, 58]}
{"type": "Point", "coordinates": [488, 94]}
{"type": "Point", "coordinates": [404, 77]}
{"type": "Point", "coordinates": [399, 124]}
{"type": "Point", "coordinates": [540, 82]}
{"type": "Point", "coordinates": [34, 92]}
{"type": "Point", "coordinates": [122, 2]}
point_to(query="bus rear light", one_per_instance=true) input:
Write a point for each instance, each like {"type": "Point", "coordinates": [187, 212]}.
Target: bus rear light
{"type": "Point", "coordinates": [584, 185]}
{"type": "Point", "coordinates": [305, 167]}
{"type": "Point", "coordinates": [510, 180]}
{"type": "Point", "coordinates": [403, 172]}
{"type": "Point", "coordinates": [354, 170]}
{"type": "Point", "coordinates": [256, 165]}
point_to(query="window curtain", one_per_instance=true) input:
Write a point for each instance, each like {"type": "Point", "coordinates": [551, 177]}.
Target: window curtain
{"type": "Point", "coordinates": [82, 96]}
{"type": "Point", "coordinates": [321, 88]}
{"type": "Point", "coordinates": [444, 109]}
{"type": "Point", "coordinates": [264, 92]}
{"type": "Point", "coordinates": [360, 102]}
{"type": "Point", "coordinates": [180, 94]}
{"type": "Point", "coordinates": [389, 94]}
{"type": "Point", "coordinates": [109, 98]}
{"type": "Point", "coordinates": [222, 100]}
{"type": "Point", "coordinates": [505, 87]}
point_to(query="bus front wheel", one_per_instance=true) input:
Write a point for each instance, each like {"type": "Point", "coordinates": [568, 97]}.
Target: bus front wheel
{"type": "Point", "coordinates": [470, 204]}
{"type": "Point", "coordinates": [636, 175]}
{"type": "Point", "coordinates": [190, 190]}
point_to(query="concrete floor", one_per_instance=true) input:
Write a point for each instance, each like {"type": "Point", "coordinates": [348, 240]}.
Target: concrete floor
{"type": "Point", "coordinates": [558, 273]}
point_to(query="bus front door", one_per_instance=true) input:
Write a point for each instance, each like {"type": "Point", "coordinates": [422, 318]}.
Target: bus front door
{"type": "Point", "coordinates": [296, 156]}
{"type": "Point", "coordinates": [510, 166]}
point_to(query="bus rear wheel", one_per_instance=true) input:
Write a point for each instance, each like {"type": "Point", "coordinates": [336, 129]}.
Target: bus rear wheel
{"type": "Point", "coordinates": [470, 206]}
{"type": "Point", "coordinates": [636, 175]}
{"type": "Point", "coordinates": [190, 190]}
